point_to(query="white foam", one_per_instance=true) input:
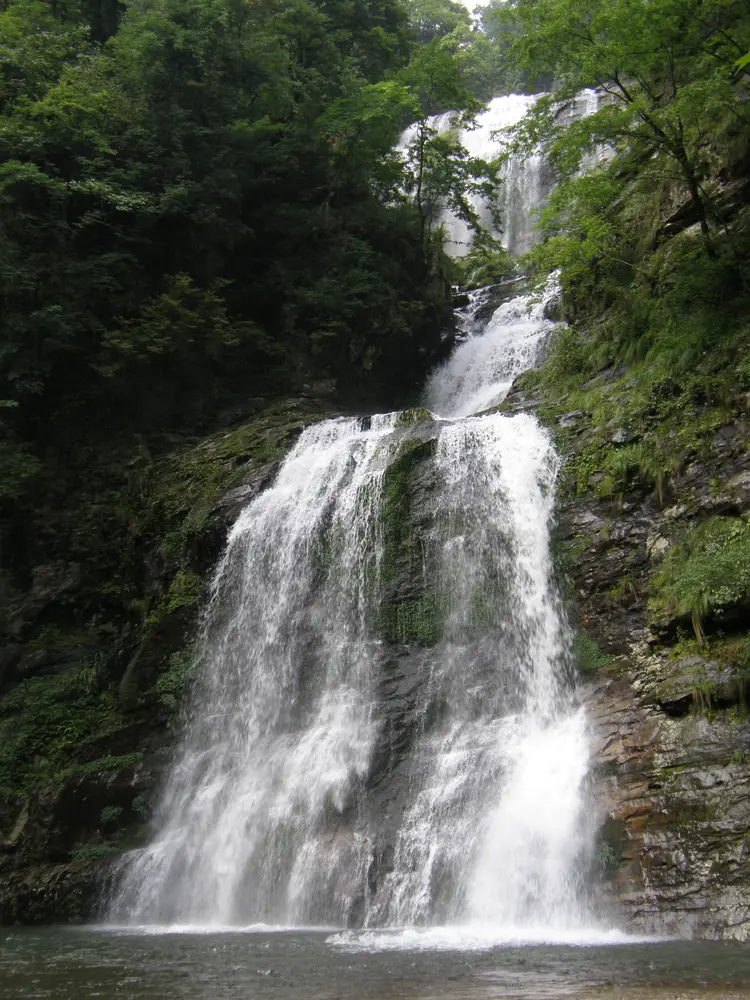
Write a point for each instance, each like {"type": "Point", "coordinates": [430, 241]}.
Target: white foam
{"type": "Point", "coordinates": [202, 930]}
{"type": "Point", "coordinates": [481, 937]}
{"type": "Point", "coordinates": [481, 370]}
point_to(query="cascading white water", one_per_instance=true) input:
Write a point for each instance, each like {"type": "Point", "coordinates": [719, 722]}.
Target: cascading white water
{"type": "Point", "coordinates": [296, 798]}
{"type": "Point", "coordinates": [495, 835]}
{"type": "Point", "coordinates": [482, 370]}
{"type": "Point", "coordinates": [266, 816]}
{"type": "Point", "coordinates": [527, 179]}
{"type": "Point", "coordinates": [284, 723]}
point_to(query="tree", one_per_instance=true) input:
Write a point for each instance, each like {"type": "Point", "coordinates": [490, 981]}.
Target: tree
{"type": "Point", "coordinates": [439, 170]}
{"type": "Point", "coordinates": [213, 159]}
{"type": "Point", "coordinates": [431, 19]}
{"type": "Point", "coordinates": [668, 67]}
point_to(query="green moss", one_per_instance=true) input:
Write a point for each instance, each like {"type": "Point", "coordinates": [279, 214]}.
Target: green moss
{"type": "Point", "coordinates": [486, 263]}
{"type": "Point", "coordinates": [488, 605]}
{"type": "Point", "coordinates": [44, 720]}
{"type": "Point", "coordinates": [568, 359]}
{"type": "Point", "coordinates": [608, 769]}
{"type": "Point", "coordinates": [110, 816]}
{"type": "Point", "coordinates": [529, 380]}
{"type": "Point", "coordinates": [415, 415]}
{"type": "Point", "coordinates": [100, 766]}
{"type": "Point", "coordinates": [191, 481]}
{"type": "Point", "coordinates": [185, 591]}
{"type": "Point", "coordinates": [652, 384]}
{"type": "Point", "coordinates": [608, 848]}
{"type": "Point", "coordinates": [623, 591]}
{"type": "Point", "coordinates": [88, 853]}
{"type": "Point", "coordinates": [714, 672]}
{"type": "Point", "coordinates": [54, 638]}
{"type": "Point", "coordinates": [140, 807]}
{"type": "Point", "coordinates": [128, 553]}
{"type": "Point", "coordinates": [174, 682]}
{"type": "Point", "coordinates": [401, 547]}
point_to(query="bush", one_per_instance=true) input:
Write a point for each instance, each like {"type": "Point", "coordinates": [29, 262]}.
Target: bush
{"type": "Point", "coordinates": [705, 573]}
{"type": "Point", "coordinates": [174, 682]}
{"type": "Point", "coordinates": [43, 721]}
{"type": "Point", "coordinates": [109, 816]}
{"type": "Point", "coordinates": [588, 656]}
{"type": "Point", "coordinates": [483, 265]}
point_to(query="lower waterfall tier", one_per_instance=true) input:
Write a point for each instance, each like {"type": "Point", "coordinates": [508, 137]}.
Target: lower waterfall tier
{"type": "Point", "coordinates": [383, 729]}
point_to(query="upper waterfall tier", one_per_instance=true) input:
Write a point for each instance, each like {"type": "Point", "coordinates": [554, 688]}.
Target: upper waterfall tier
{"type": "Point", "coordinates": [527, 180]}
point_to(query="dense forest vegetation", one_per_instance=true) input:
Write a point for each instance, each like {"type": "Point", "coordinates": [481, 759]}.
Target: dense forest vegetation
{"type": "Point", "coordinates": [202, 209]}
{"type": "Point", "coordinates": [201, 198]}
{"type": "Point", "coordinates": [203, 222]}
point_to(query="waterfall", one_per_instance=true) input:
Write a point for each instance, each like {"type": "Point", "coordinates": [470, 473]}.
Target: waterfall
{"type": "Point", "coordinates": [482, 370]}
{"type": "Point", "coordinates": [283, 723]}
{"type": "Point", "coordinates": [384, 731]}
{"type": "Point", "coordinates": [495, 834]}
{"type": "Point", "coordinates": [527, 179]}
{"type": "Point", "coordinates": [271, 813]}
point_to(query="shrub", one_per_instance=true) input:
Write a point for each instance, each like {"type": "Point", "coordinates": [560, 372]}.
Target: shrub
{"type": "Point", "coordinates": [708, 571]}
{"type": "Point", "coordinates": [588, 656]}
{"type": "Point", "coordinates": [110, 815]}
{"type": "Point", "coordinates": [173, 683]}
{"type": "Point", "coordinates": [43, 721]}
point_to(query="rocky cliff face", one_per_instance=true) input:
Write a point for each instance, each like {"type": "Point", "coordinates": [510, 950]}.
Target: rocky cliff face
{"type": "Point", "coordinates": [669, 714]}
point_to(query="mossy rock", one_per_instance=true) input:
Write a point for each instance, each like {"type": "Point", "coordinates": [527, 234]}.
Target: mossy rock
{"type": "Point", "coordinates": [402, 491]}
{"type": "Point", "coordinates": [411, 622]}
{"type": "Point", "coordinates": [703, 684]}
{"type": "Point", "coordinates": [415, 415]}
{"type": "Point", "coordinates": [587, 655]}
{"type": "Point", "coordinates": [610, 838]}
{"type": "Point", "coordinates": [706, 574]}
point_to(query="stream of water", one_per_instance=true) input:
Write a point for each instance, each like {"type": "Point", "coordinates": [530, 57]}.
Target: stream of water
{"type": "Point", "coordinates": [280, 809]}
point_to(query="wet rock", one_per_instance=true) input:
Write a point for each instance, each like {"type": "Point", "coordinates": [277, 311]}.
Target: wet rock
{"type": "Point", "coordinates": [679, 785]}
{"type": "Point", "coordinates": [621, 436]}
{"type": "Point", "coordinates": [11, 842]}
{"type": "Point", "coordinates": [656, 545]}
{"type": "Point", "coordinates": [51, 894]}
{"type": "Point", "coordinates": [56, 582]}
{"type": "Point", "coordinates": [568, 420]}
{"type": "Point", "coordinates": [37, 662]}
{"type": "Point", "coordinates": [671, 735]}
{"type": "Point", "coordinates": [554, 309]}
{"type": "Point", "coordinates": [495, 295]}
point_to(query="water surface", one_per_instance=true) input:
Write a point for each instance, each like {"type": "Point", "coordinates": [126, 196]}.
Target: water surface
{"type": "Point", "coordinates": [78, 964]}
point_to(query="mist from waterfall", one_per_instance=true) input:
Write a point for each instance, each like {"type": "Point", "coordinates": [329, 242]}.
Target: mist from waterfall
{"type": "Point", "coordinates": [274, 811]}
